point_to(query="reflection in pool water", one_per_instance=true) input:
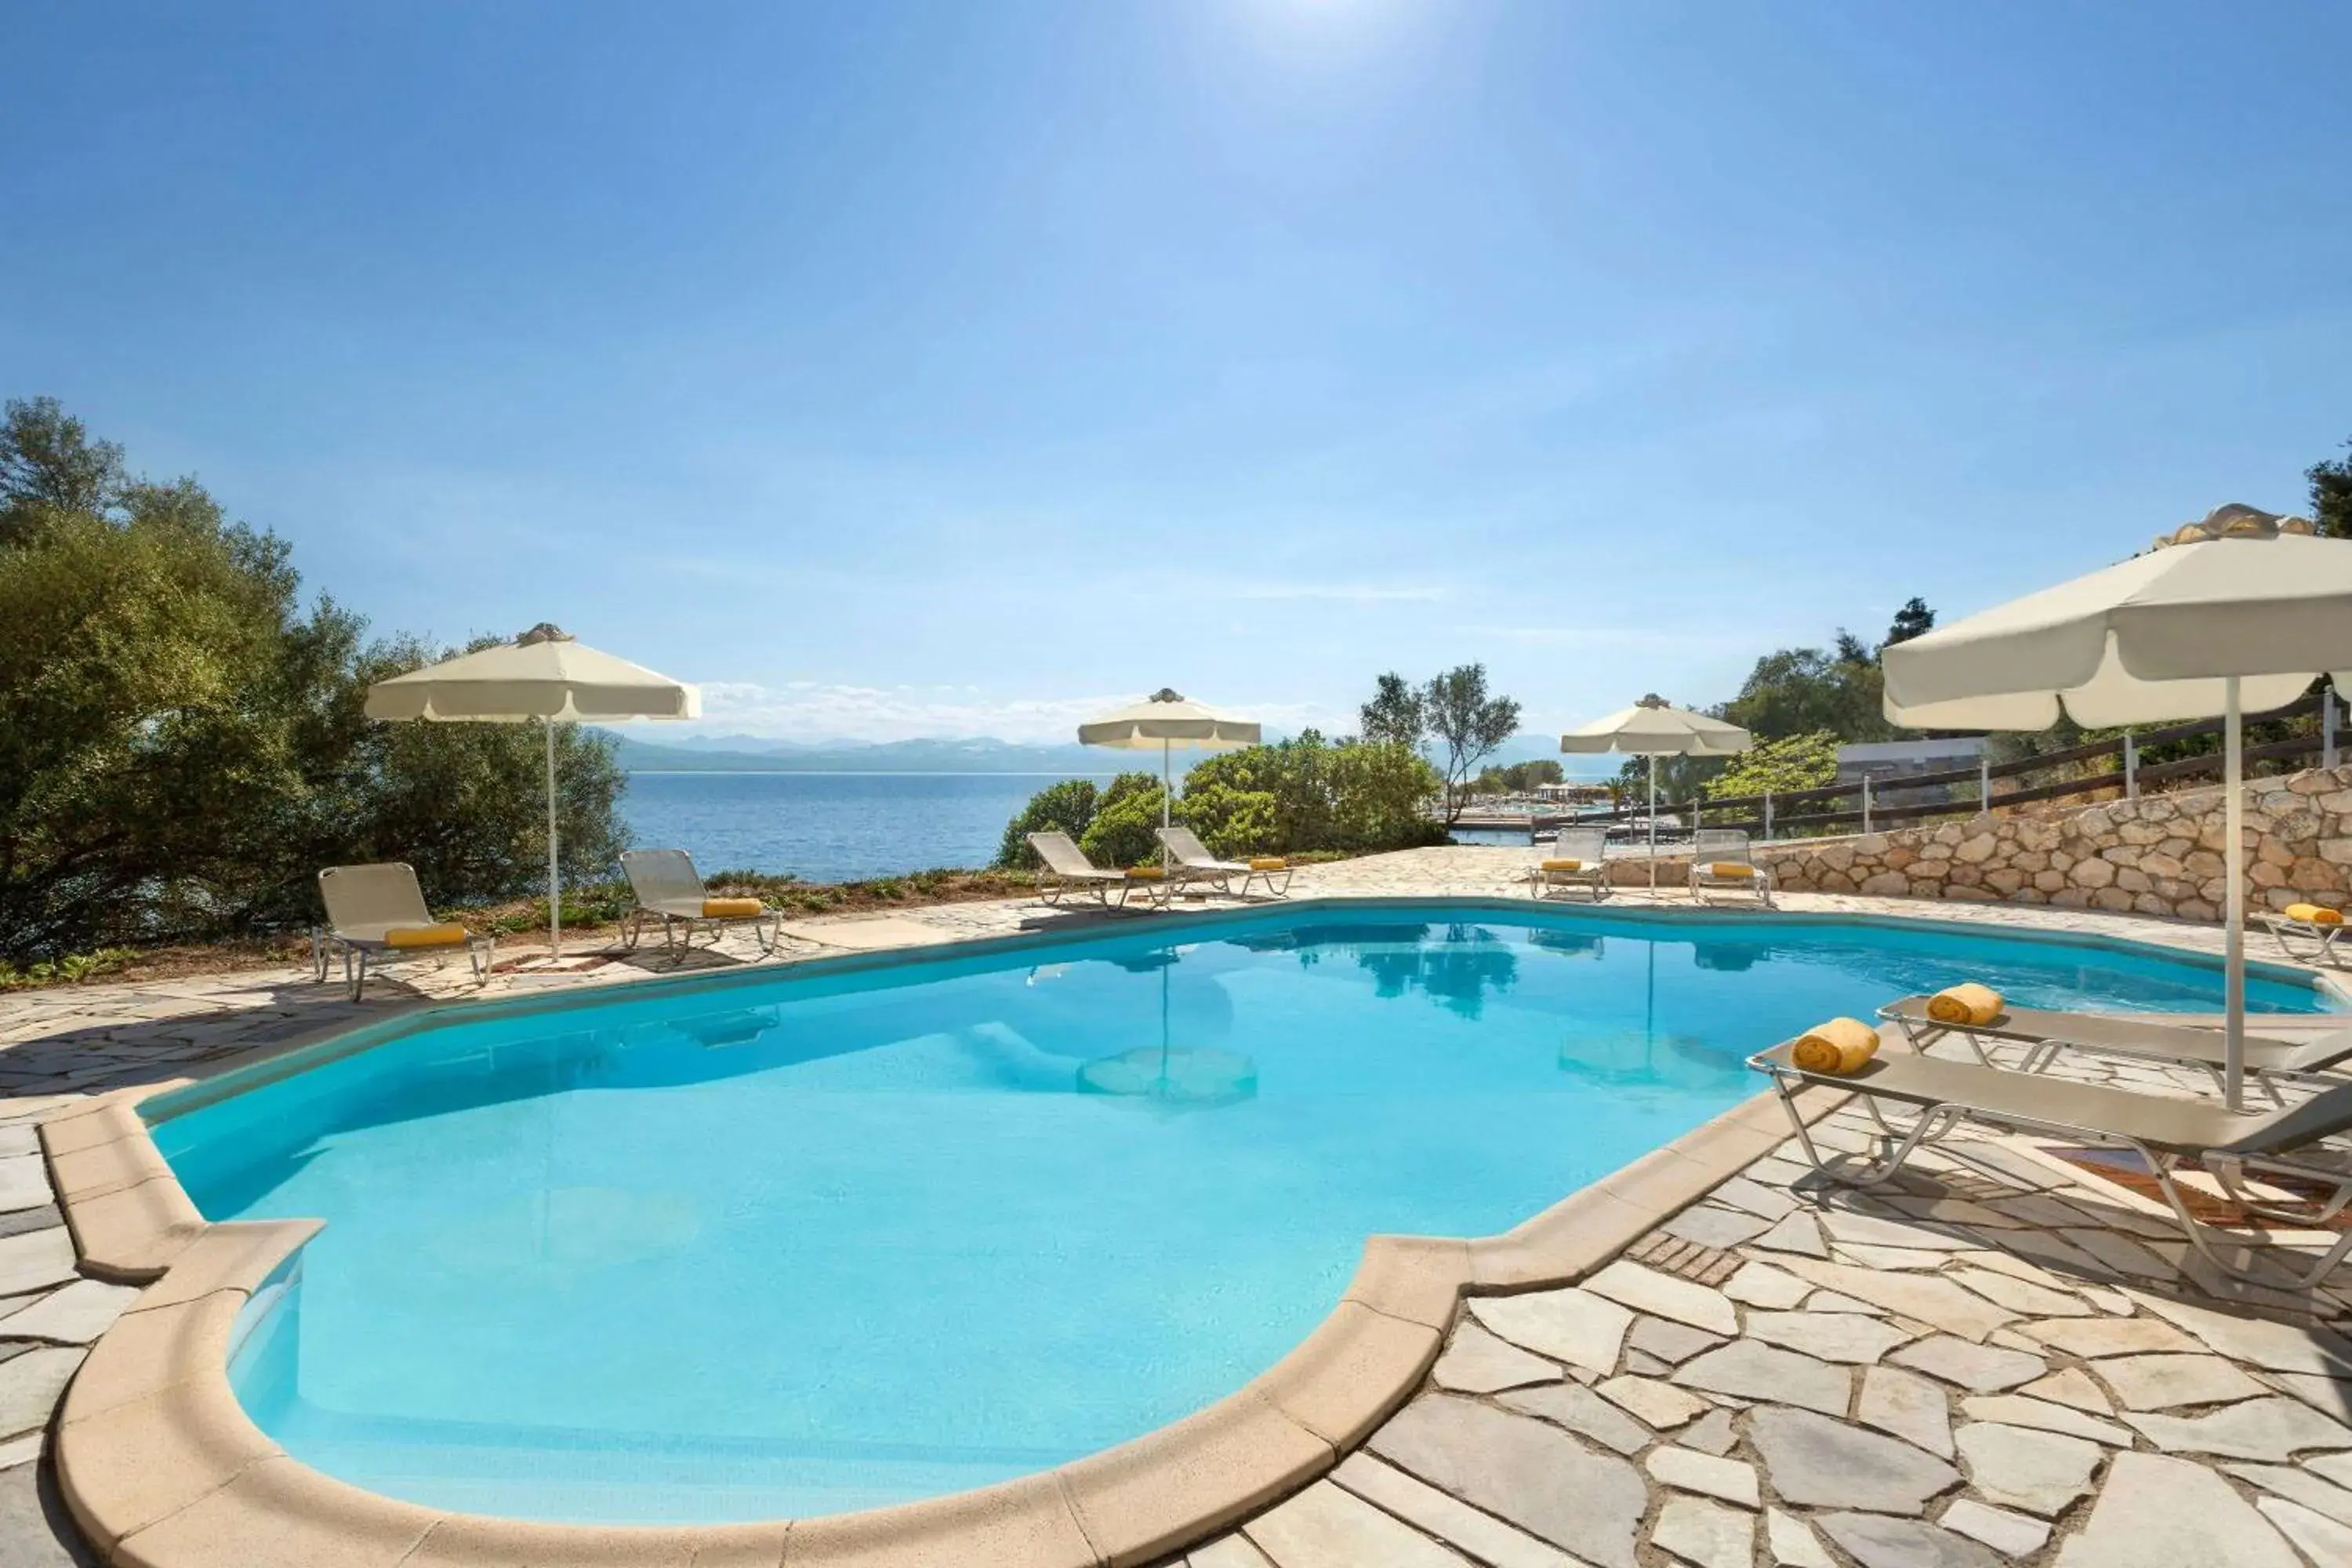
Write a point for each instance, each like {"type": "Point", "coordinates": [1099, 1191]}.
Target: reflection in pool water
{"type": "Point", "coordinates": [802, 1242]}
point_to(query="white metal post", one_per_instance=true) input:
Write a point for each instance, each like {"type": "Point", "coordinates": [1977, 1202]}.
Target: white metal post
{"type": "Point", "coordinates": [2131, 767]}
{"type": "Point", "coordinates": [1767, 815]}
{"type": "Point", "coordinates": [555, 878]}
{"type": "Point", "coordinates": [1164, 788]}
{"type": "Point", "coordinates": [1654, 822]}
{"type": "Point", "coordinates": [2327, 728]}
{"type": "Point", "coordinates": [1984, 783]}
{"type": "Point", "coordinates": [1865, 803]}
{"type": "Point", "coordinates": [2233, 827]}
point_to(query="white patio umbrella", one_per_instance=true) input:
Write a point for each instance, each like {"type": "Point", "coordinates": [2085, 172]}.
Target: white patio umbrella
{"type": "Point", "coordinates": [542, 675]}
{"type": "Point", "coordinates": [1164, 721]}
{"type": "Point", "coordinates": [1651, 729]}
{"type": "Point", "coordinates": [2243, 609]}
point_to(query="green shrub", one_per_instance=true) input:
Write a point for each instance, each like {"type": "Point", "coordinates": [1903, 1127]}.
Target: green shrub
{"type": "Point", "coordinates": [1304, 797]}
{"type": "Point", "coordinates": [1233, 823]}
{"type": "Point", "coordinates": [1125, 829]}
{"type": "Point", "coordinates": [1791, 762]}
{"type": "Point", "coordinates": [1068, 805]}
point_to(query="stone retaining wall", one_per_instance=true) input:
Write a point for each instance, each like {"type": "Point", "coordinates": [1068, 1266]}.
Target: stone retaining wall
{"type": "Point", "coordinates": [2160, 855]}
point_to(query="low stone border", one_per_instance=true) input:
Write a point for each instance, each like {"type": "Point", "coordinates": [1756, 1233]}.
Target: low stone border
{"type": "Point", "coordinates": [162, 1468]}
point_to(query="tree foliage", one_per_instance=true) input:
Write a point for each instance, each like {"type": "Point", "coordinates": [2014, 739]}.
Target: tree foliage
{"type": "Point", "coordinates": [2331, 494]}
{"type": "Point", "coordinates": [1301, 796]}
{"type": "Point", "coordinates": [1518, 778]}
{"type": "Point", "coordinates": [1799, 691]}
{"type": "Point", "coordinates": [1396, 715]}
{"type": "Point", "coordinates": [1066, 807]}
{"type": "Point", "coordinates": [1774, 767]}
{"type": "Point", "coordinates": [1914, 619]}
{"type": "Point", "coordinates": [182, 745]}
{"type": "Point", "coordinates": [1466, 724]}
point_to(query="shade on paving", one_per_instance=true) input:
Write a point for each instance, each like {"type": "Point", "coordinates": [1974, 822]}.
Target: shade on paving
{"type": "Point", "coordinates": [1653, 728]}
{"type": "Point", "coordinates": [2242, 607]}
{"type": "Point", "coordinates": [1163, 721]}
{"type": "Point", "coordinates": [544, 675]}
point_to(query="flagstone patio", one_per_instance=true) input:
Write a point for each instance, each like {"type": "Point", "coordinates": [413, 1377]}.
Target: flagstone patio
{"type": "Point", "coordinates": [2002, 1358]}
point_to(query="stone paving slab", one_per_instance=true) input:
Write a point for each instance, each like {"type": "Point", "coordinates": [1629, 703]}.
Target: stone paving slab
{"type": "Point", "coordinates": [1937, 1376]}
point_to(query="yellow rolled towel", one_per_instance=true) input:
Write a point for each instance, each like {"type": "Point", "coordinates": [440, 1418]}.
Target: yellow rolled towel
{"type": "Point", "coordinates": [2314, 914]}
{"type": "Point", "coordinates": [1730, 868]}
{"type": "Point", "coordinates": [1840, 1046]}
{"type": "Point", "coordinates": [424, 936]}
{"type": "Point", "coordinates": [1269, 863]}
{"type": "Point", "coordinates": [732, 909]}
{"type": "Point", "coordinates": [1967, 1004]}
{"type": "Point", "coordinates": [1144, 874]}
{"type": "Point", "coordinates": [1563, 865]}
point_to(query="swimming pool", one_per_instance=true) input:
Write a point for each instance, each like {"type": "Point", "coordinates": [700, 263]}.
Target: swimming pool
{"type": "Point", "coordinates": [787, 1244]}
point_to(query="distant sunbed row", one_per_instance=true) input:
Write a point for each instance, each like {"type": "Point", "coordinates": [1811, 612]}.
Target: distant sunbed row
{"type": "Point", "coordinates": [2257, 1161]}
{"type": "Point", "coordinates": [376, 916]}
{"type": "Point", "coordinates": [1721, 860]}
{"type": "Point", "coordinates": [1065, 872]}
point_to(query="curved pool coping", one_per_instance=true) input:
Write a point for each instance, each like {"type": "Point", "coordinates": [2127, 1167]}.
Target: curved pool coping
{"type": "Point", "coordinates": [162, 1467]}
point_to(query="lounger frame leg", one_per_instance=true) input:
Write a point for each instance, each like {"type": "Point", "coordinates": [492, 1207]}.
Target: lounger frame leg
{"type": "Point", "coordinates": [1931, 1127]}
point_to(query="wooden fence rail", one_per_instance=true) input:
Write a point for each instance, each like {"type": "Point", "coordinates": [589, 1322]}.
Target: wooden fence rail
{"type": "Point", "coordinates": [1766, 815]}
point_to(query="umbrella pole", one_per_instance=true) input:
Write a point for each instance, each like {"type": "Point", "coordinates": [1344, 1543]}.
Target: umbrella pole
{"type": "Point", "coordinates": [554, 885]}
{"type": "Point", "coordinates": [2233, 827]}
{"type": "Point", "coordinates": [1654, 822]}
{"type": "Point", "coordinates": [1164, 788]}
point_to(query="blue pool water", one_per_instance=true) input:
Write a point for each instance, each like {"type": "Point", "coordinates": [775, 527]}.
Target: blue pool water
{"type": "Point", "coordinates": [794, 1244]}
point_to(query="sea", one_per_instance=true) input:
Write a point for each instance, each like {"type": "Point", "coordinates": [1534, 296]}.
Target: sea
{"type": "Point", "coordinates": [828, 827]}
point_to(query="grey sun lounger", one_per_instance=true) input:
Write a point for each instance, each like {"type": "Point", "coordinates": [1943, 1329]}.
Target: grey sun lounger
{"type": "Point", "coordinates": [2227, 1145]}
{"type": "Point", "coordinates": [1193, 863]}
{"type": "Point", "coordinates": [669, 890]}
{"type": "Point", "coordinates": [1727, 847]}
{"type": "Point", "coordinates": [1588, 848]}
{"type": "Point", "coordinates": [1064, 869]}
{"type": "Point", "coordinates": [2321, 935]}
{"type": "Point", "coordinates": [365, 906]}
{"type": "Point", "coordinates": [2045, 1034]}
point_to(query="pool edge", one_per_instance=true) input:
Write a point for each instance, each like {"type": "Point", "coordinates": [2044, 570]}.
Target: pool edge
{"type": "Point", "coordinates": [161, 1469]}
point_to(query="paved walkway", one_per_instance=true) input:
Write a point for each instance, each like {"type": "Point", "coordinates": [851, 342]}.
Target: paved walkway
{"type": "Point", "coordinates": [2003, 1360]}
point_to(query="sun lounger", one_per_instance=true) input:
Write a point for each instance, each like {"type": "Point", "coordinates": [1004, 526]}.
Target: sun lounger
{"type": "Point", "coordinates": [376, 914]}
{"type": "Point", "coordinates": [1066, 871]}
{"type": "Point", "coordinates": [2313, 923]}
{"type": "Point", "coordinates": [1578, 857]}
{"type": "Point", "coordinates": [1721, 861]}
{"type": "Point", "coordinates": [669, 890]}
{"type": "Point", "coordinates": [2166, 1133]}
{"type": "Point", "coordinates": [1193, 863]}
{"type": "Point", "coordinates": [2046, 1035]}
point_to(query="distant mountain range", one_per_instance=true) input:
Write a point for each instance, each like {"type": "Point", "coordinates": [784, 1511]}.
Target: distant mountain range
{"type": "Point", "coordinates": [757, 754]}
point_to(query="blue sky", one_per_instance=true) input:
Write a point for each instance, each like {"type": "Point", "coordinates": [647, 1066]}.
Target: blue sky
{"type": "Point", "coordinates": [955, 368]}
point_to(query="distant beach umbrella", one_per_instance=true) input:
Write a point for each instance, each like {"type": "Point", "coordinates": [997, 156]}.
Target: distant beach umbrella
{"type": "Point", "coordinates": [2241, 607]}
{"type": "Point", "coordinates": [1163, 721]}
{"type": "Point", "coordinates": [545, 676]}
{"type": "Point", "coordinates": [1652, 728]}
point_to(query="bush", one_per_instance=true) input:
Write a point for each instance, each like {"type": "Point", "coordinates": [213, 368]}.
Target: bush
{"type": "Point", "coordinates": [1775, 767]}
{"type": "Point", "coordinates": [1233, 823]}
{"type": "Point", "coordinates": [1304, 797]}
{"type": "Point", "coordinates": [1378, 795]}
{"type": "Point", "coordinates": [182, 739]}
{"type": "Point", "coordinates": [1068, 805]}
{"type": "Point", "coordinates": [1125, 830]}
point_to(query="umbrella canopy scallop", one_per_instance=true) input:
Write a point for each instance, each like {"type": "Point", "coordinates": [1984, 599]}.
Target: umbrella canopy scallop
{"type": "Point", "coordinates": [2241, 593]}
{"type": "Point", "coordinates": [543, 674]}
{"type": "Point", "coordinates": [1652, 728]}
{"type": "Point", "coordinates": [1167, 718]}
{"type": "Point", "coordinates": [2241, 610]}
